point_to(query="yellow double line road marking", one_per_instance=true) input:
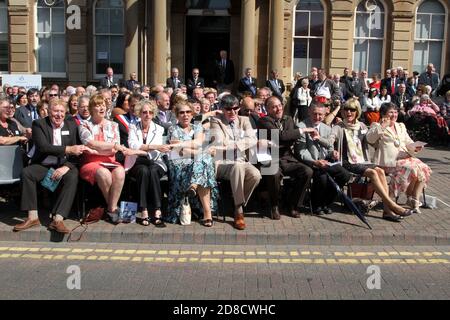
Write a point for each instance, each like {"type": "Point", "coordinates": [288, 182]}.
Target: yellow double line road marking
{"type": "Point", "coordinates": [216, 260]}
{"type": "Point", "coordinates": [215, 253]}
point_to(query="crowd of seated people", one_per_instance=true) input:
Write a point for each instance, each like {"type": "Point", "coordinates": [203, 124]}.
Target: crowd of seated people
{"type": "Point", "coordinates": [198, 138]}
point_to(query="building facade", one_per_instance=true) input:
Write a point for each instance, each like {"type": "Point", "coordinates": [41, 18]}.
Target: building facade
{"type": "Point", "coordinates": [74, 41]}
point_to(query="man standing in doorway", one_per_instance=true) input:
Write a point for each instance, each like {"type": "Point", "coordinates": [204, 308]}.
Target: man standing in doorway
{"type": "Point", "coordinates": [224, 73]}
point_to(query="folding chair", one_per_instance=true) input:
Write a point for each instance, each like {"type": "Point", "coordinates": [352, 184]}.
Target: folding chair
{"type": "Point", "coordinates": [11, 165]}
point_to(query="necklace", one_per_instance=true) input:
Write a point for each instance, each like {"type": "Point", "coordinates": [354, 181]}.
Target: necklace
{"type": "Point", "coordinates": [397, 142]}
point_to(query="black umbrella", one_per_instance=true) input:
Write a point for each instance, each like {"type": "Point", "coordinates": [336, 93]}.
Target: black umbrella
{"type": "Point", "coordinates": [349, 202]}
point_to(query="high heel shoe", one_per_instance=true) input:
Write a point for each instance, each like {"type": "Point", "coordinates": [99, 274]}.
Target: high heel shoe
{"type": "Point", "coordinates": [414, 204]}
{"type": "Point", "coordinates": [392, 217]}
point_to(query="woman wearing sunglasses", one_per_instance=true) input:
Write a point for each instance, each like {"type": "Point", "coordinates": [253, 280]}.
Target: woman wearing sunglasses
{"type": "Point", "coordinates": [148, 168]}
{"type": "Point", "coordinates": [350, 138]}
{"type": "Point", "coordinates": [191, 169]}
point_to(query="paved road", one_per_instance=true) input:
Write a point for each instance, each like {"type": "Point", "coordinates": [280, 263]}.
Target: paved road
{"type": "Point", "coordinates": [171, 272]}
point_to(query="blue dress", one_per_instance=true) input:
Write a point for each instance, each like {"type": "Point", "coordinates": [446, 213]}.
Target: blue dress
{"type": "Point", "coordinates": [184, 172]}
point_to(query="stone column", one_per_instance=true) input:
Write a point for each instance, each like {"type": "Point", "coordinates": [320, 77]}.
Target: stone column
{"type": "Point", "coordinates": [276, 35]}
{"type": "Point", "coordinates": [131, 38]}
{"type": "Point", "coordinates": [159, 73]}
{"type": "Point", "coordinates": [20, 46]}
{"type": "Point", "coordinates": [247, 35]}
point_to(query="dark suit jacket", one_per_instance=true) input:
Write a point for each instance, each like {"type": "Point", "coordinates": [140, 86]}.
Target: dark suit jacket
{"type": "Point", "coordinates": [281, 88]}
{"type": "Point", "coordinates": [104, 82]}
{"type": "Point", "coordinates": [171, 83]}
{"type": "Point", "coordinates": [129, 84]}
{"type": "Point", "coordinates": [432, 81]}
{"type": "Point", "coordinates": [244, 86]}
{"type": "Point", "coordinates": [171, 120]}
{"type": "Point", "coordinates": [43, 141]}
{"type": "Point", "coordinates": [23, 115]}
{"type": "Point", "coordinates": [224, 76]}
{"type": "Point", "coordinates": [288, 136]}
{"type": "Point", "coordinates": [191, 85]}
{"type": "Point", "coordinates": [347, 81]}
{"type": "Point", "coordinates": [387, 82]}
{"type": "Point", "coordinates": [396, 99]}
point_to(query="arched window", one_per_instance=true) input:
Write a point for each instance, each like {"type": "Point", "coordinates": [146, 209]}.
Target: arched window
{"type": "Point", "coordinates": [51, 38]}
{"type": "Point", "coordinates": [109, 36]}
{"type": "Point", "coordinates": [429, 41]}
{"type": "Point", "coordinates": [4, 52]}
{"type": "Point", "coordinates": [308, 35]}
{"type": "Point", "coordinates": [369, 36]}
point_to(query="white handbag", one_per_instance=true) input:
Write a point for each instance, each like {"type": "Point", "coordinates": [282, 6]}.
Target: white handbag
{"type": "Point", "coordinates": [186, 213]}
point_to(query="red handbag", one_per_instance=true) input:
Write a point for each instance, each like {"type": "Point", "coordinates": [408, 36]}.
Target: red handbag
{"type": "Point", "coordinates": [361, 190]}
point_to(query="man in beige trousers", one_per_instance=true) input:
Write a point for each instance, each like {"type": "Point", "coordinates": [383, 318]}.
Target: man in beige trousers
{"type": "Point", "coordinates": [233, 136]}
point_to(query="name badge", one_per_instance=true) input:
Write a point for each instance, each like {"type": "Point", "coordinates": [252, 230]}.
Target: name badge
{"type": "Point", "coordinates": [17, 132]}
{"type": "Point", "coordinates": [363, 131]}
{"type": "Point", "coordinates": [65, 133]}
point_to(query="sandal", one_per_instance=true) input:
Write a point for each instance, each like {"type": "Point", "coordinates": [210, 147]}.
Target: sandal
{"type": "Point", "coordinates": [158, 223]}
{"type": "Point", "coordinates": [209, 223]}
{"type": "Point", "coordinates": [143, 221]}
{"type": "Point", "coordinates": [114, 217]}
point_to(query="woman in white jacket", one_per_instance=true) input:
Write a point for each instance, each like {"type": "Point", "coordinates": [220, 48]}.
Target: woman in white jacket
{"type": "Point", "coordinates": [149, 167]}
{"type": "Point", "coordinates": [394, 151]}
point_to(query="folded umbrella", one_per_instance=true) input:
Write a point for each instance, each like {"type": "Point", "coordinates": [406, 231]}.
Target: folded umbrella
{"type": "Point", "coordinates": [349, 202]}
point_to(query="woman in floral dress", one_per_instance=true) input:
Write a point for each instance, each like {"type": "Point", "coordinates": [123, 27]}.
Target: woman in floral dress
{"type": "Point", "coordinates": [191, 169]}
{"type": "Point", "coordinates": [395, 153]}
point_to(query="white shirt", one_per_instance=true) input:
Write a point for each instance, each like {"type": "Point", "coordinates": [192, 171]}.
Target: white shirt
{"type": "Point", "coordinates": [57, 141]}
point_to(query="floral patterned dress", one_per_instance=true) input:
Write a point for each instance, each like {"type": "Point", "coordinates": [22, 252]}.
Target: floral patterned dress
{"type": "Point", "coordinates": [184, 172]}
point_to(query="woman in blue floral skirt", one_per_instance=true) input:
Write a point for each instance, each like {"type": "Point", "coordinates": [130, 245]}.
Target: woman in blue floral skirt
{"type": "Point", "coordinates": [191, 169]}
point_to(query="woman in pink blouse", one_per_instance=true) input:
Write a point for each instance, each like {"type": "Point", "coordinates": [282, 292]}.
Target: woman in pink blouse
{"type": "Point", "coordinates": [102, 168]}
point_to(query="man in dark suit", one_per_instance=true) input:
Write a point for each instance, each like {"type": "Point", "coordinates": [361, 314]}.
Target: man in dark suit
{"type": "Point", "coordinates": [392, 83]}
{"type": "Point", "coordinates": [224, 78]}
{"type": "Point", "coordinates": [175, 81]}
{"type": "Point", "coordinates": [403, 102]}
{"type": "Point", "coordinates": [165, 118]}
{"type": "Point", "coordinates": [275, 84]}
{"type": "Point", "coordinates": [195, 82]}
{"type": "Point", "coordinates": [347, 80]}
{"type": "Point", "coordinates": [57, 147]}
{"type": "Point", "coordinates": [342, 88]}
{"type": "Point", "coordinates": [27, 114]}
{"type": "Point", "coordinates": [108, 81]}
{"type": "Point", "coordinates": [429, 78]}
{"type": "Point", "coordinates": [247, 84]}
{"type": "Point", "coordinates": [289, 165]}
{"type": "Point", "coordinates": [133, 82]}
{"type": "Point", "coordinates": [316, 151]}
{"type": "Point", "coordinates": [357, 86]}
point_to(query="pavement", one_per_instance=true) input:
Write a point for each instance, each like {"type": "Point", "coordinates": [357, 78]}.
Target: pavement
{"type": "Point", "coordinates": [431, 227]}
{"type": "Point", "coordinates": [50, 271]}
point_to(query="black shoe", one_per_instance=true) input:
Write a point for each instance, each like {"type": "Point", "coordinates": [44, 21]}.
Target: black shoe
{"type": "Point", "coordinates": [275, 213]}
{"type": "Point", "coordinates": [158, 223]}
{"type": "Point", "coordinates": [391, 218]}
{"type": "Point", "coordinates": [327, 210]}
{"type": "Point", "coordinates": [319, 211]}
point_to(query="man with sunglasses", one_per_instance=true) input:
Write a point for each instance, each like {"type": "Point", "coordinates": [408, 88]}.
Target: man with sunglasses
{"type": "Point", "coordinates": [232, 136]}
{"type": "Point", "coordinates": [289, 166]}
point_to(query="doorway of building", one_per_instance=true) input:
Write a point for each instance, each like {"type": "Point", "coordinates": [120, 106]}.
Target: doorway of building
{"type": "Point", "coordinates": [205, 37]}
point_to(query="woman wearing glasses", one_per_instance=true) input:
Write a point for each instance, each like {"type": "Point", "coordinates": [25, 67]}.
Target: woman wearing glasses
{"type": "Point", "coordinates": [191, 169]}
{"type": "Point", "coordinates": [149, 167]}
{"type": "Point", "coordinates": [9, 132]}
{"type": "Point", "coordinates": [350, 138]}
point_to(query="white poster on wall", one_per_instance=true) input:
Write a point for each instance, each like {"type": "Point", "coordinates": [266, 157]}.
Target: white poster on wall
{"type": "Point", "coordinates": [29, 81]}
